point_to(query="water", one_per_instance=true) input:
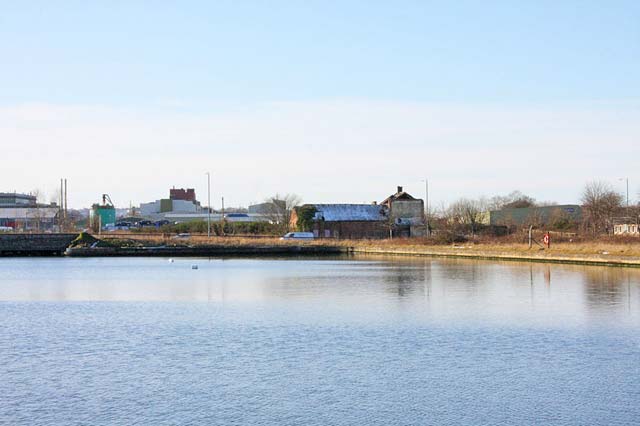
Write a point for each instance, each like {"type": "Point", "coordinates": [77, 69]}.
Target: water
{"type": "Point", "coordinates": [372, 341]}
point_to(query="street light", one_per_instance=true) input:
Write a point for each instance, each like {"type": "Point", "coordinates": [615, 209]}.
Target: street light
{"type": "Point", "coordinates": [208, 204]}
{"type": "Point", "coordinates": [426, 202]}
{"type": "Point", "coordinates": [627, 180]}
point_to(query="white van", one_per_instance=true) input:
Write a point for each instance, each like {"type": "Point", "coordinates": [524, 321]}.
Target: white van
{"type": "Point", "coordinates": [297, 236]}
{"type": "Point", "coordinates": [6, 229]}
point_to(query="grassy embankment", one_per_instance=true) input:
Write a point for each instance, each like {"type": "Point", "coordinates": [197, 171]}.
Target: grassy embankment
{"type": "Point", "coordinates": [570, 250]}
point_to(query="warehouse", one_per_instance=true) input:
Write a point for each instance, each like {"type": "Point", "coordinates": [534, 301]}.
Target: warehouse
{"type": "Point", "coordinates": [22, 212]}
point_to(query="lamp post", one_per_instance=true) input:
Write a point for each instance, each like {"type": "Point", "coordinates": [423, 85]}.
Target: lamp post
{"type": "Point", "coordinates": [208, 204]}
{"type": "Point", "coordinates": [627, 180]}
{"type": "Point", "coordinates": [426, 202]}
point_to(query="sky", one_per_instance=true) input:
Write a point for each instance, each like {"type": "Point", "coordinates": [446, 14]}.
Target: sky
{"type": "Point", "coordinates": [336, 101]}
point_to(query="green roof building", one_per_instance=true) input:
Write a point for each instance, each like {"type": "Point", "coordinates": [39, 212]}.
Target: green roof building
{"type": "Point", "coordinates": [535, 215]}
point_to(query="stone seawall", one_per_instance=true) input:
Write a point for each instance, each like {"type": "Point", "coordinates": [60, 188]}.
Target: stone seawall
{"type": "Point", "coordinates": [35, 244]}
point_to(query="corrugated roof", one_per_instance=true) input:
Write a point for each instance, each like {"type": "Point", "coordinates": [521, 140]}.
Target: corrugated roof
{"type": "Point", "coordinates": [349, 212]}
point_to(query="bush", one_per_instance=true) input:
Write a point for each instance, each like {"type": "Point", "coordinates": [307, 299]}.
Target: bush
{"type": "Point", "coordinates": [217, 228]}
{"type": "Point", "coordinates": [305, 218]}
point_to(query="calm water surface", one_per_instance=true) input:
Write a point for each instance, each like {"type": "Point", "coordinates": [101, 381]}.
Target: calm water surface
{"type": "Point", "coordinates": [367, 341]}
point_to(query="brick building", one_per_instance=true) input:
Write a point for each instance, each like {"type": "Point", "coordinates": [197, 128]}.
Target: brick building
{"type": "Point", "coordinates": [400, 215]}
{"type": "Point", "coordinates": [188, 194]}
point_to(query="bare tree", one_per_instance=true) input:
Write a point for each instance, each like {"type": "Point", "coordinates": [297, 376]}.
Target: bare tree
{"type": "Point", "coordinates": [468, 212]}
{"type": "Point", "coordinates": [446, 222]}
{"type": "Point", "coordinates": [600, 203]}
{"type": "Point", "coordinates": [36, 214]}
{"type": "Point", "coordinates": [515, 199]}
{"type": "Point", "coordinates": [535, 218]}
{"type": "Point", "coordinates": [279, 209]}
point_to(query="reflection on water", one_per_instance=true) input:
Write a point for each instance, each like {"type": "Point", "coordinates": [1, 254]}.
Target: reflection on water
{"type": "Point", "coordinates": [371, 341]}
{"type": "Point", "coordinates": [607, 286]}
{"type": "Point", "coordinates": [427, 289]}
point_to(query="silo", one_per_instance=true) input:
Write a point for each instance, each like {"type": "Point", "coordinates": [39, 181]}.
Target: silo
{"type": "Point", "coordinates": [102, 215]}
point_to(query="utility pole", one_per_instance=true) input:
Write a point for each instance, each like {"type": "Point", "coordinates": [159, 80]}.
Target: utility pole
{"type": "Point", "coordinates": [222, 219]}
{"type": "Point", "coordinates": [61, 209]}
{"type": "Point", "coordinates": [208, 205]}
{"type": "Point", "coordinates": [65, 201]}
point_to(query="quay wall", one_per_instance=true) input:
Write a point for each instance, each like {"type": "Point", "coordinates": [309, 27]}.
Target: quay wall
{"type": "Point", "coordinates": [35, 244]}
{"type": "Point", "coordinates": [207, 251]}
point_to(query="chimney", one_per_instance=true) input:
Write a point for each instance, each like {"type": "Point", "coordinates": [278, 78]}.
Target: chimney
{"type": "Point", "coordinates": [374, 203]}
{"type": "Point", "coordinates": [399, 189]}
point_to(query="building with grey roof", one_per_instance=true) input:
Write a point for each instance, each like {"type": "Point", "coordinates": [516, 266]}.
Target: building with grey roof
{"type": "Point", "coordinates": [398, 215]}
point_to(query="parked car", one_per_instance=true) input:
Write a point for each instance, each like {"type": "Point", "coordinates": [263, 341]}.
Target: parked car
{"type": "Point", "coordinates": [122, 226]}
{"type": "Point", "coordinates": [182, 236]}
{"type": "Point", "coordinates": [297, 236]}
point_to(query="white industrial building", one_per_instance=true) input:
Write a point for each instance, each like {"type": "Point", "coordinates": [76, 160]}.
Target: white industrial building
{"type": "Point", "coordinates": [163, 207]}
{"type": "Point", "coordinates": [21, 212]}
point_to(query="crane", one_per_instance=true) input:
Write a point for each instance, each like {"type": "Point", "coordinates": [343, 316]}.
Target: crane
{"type": "Point", "coordinates": [105, 198]}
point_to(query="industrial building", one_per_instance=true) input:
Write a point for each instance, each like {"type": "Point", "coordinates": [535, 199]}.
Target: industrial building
{"type": "Point", "coordinates": [268, 207]}
{"type": "Point", "coordinates": [22, 212]}
{"type": "Point", "coordinates": [544, 215]}
{"type": "Point", "coordinates": [103, 215]}
{"type": "Point", "coordinates": [180, 201]}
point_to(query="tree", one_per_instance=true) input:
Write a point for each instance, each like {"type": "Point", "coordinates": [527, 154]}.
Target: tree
{"type": "Point", "coordinates": [305, 216]}
{"type": "Point", "coordinates": [36, 214]}
{"type": "Point", "coordinates": [515, 199]}
{"type": "Point", "coordinates": [468, 212]}
{"type": "Point", "coordinates": [599, 202]}
{"type": "Point", "coordinates": [279, 208]}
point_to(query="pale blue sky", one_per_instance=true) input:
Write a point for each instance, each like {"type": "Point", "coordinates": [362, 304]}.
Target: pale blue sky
{"type": "Point", "coordinates": [461, 90]}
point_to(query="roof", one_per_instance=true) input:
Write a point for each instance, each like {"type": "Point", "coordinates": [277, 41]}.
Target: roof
{"type": "Point", "coordinates": [349, 212]}
{"type": "Point", "coordinates": [398, 196]}
{"type": "Point", "coordinates": [624, 220]}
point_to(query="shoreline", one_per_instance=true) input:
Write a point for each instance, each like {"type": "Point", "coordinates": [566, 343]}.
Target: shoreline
{"type": "Point", "coordinates": [333, 250]}
{"type": "Point", "coordinates": [510, 257]}
{"type": "Point", "coordinates": [604, 253]}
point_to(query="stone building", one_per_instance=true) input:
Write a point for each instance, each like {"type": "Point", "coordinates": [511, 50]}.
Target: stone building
{"type": "Point", "coordinates": [406, 213]}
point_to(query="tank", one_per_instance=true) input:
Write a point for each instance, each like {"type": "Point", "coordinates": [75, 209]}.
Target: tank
{"type": "Point", "coordinates": [102, 216]}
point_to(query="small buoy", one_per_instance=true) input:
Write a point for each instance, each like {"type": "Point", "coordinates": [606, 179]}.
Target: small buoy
{"type": "Point", "coordinates": [170, 260]}
{"type": "Point", "coordinates": [194, 266]}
